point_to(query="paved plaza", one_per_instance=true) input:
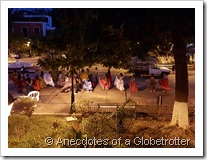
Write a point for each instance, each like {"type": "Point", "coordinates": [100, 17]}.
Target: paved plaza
{"type": "Point", "coordinates": [53, 101]}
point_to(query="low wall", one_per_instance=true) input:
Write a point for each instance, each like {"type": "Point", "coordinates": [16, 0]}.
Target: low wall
{"type": "Point", "coordinates": [138, 109]}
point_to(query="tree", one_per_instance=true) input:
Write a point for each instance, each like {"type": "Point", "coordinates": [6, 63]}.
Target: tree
{"type": "Point", "coordinates": [86, 39]}
{"type": "Point", "coordinates": [182, 33]}
{"type": "Point", "coordinates": [19, 45]}
{"type": "Point", "coordinates": [111, 36]}
{"type": "Point", "coordinates": [114, 49]}
{"type": "Point", "coordinates": [180, 110]}
{"type": "Point", "coordinates": [174, 26]}
{"type": "Point", "coordinates": [178, 27]}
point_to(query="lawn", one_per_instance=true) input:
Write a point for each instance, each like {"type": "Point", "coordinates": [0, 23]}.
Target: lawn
{"type": "Point", "coordinates": [97, 130]}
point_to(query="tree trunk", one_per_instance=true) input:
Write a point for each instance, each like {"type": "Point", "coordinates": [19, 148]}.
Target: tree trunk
{"type": "Point", "coordinates": [180, 109]}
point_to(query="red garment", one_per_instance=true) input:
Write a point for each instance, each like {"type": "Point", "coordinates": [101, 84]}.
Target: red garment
{"type": "Point", "coordinates": [37, 85]}
{"type": "Point", "coordinates": [164, 83]}
{"type": "Point", "coordinates": [133, 86]}
{"type": "Point", "coordinates": [104, 83]}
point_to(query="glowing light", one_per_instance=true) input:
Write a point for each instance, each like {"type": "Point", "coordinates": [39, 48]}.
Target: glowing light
{"type": "Point", "coordinates": [28, 43]}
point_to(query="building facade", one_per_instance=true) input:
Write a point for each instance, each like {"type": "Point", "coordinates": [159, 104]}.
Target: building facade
{"type": "Point", "coordinates": [32, 25]}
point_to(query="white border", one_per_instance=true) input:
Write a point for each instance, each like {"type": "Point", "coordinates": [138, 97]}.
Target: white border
{"type": "Point", "coordinates": [197, 151]}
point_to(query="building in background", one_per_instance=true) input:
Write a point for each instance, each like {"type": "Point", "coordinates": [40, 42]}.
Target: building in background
{"type": "Point", "coordinates": [32, 25]}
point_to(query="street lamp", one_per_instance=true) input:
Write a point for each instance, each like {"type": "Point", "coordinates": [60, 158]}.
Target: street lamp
{"type": "Point", "coordinates": [72, 71]}
{"type": "Point", "coordinates": [72, 94]}
{"type": "Point", "coordinates": [72, 109]}
{"type": "Point", "coordinates": [29, 45]}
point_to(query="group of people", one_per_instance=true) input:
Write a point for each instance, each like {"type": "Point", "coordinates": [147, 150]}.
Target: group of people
{"type": "Point", "coordinates": [106, 82]}
{"type": "Point", "coordinates": [87, 81]}
{"type": "Point", "coordinates": [84, 81]}
{"type": "Point", "coordinates": [25, 83]}
{"type": "Point", "coordinates": [151, 83]}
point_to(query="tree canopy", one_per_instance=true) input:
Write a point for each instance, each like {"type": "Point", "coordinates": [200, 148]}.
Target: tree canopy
{"type": "Point", "coordinates": [110, 36]}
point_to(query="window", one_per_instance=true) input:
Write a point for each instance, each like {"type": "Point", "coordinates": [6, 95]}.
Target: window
{"type": "Point", "coordinates": [36, 30]}
{"type": "Point", "coordinates": [25, 31]}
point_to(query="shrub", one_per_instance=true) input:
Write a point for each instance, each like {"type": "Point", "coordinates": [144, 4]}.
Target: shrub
{"type": "Point", "coordinates": [82, 105]}
{"type": "Point", "coordinates": [24, 105]}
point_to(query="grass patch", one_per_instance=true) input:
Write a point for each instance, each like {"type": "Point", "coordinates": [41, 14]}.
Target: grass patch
{"type": "Point", "coordinates": [31, 132]}
{"type": "Point", "coordinates": [23, 105]}
{"type": "Point", "coordinates": [100, 128]}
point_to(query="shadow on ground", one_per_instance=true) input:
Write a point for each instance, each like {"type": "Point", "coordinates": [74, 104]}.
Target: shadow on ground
{"type": "Point", "coordinates": [142, 88]}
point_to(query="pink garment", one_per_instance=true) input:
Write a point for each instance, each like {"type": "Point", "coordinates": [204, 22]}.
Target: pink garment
{"type": "Point", "coordinates": [104, 83]}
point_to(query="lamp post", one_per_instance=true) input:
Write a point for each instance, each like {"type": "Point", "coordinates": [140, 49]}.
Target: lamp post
{"type": "Point", "coordinates": [72, 70]}
{"type": "Point", "coordinates": [72, 108]}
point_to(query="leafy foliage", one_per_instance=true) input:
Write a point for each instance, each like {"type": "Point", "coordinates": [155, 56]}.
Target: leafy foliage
{"type": "Point", "coordinates": [24, 105]}
{"type": "Point", "coordinates": [19, 45]}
